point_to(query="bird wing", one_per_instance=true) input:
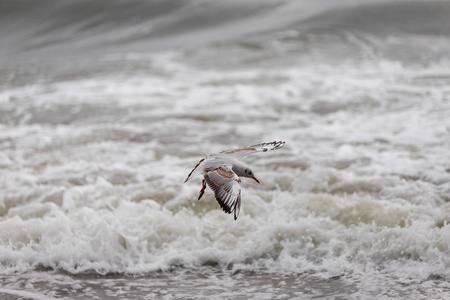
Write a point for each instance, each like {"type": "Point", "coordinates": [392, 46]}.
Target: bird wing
{"type": "Point", "coordinates": [195, 171]}
{"type": "Point", "coordinates": [226, 187]}
{"type": "Point", "coordinates": [242, 152]}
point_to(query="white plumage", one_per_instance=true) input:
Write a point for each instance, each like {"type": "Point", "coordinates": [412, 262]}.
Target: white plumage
{"type": "Point", "coordinates": [222, 171]}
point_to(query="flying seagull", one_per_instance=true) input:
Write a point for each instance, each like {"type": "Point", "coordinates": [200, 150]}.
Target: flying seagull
{"type": "Point", "coordinates": [222, 171]}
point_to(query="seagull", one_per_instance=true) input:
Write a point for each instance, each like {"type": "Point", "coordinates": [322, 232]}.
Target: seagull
{"type": "Point", "coordinates": [221, 171]}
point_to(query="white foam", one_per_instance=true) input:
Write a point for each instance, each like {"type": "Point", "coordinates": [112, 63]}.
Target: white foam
{"type": "Point", "coordinates": [26, 294]}
{"type": "Point", "coordinates": [360, 186]}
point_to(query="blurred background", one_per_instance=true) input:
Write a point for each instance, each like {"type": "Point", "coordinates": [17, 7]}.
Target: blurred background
{"type": "Point", "coordinates": [106, 106]}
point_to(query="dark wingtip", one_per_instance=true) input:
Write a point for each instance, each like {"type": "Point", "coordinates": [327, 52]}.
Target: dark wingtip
{"type": "Point", "coordinates": [279, 144]}
{"type": "Point", "coordinates": [237, 207]}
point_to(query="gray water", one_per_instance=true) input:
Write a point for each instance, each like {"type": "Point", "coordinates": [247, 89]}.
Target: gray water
{"type": "Point", "coordinates": [106, 106]}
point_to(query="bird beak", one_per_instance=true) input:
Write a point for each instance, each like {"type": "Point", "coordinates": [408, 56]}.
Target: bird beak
{"type": "Point", "coordinates": [256, 179]}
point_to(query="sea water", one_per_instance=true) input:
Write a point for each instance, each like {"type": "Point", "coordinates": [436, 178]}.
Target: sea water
{"type": "Point", "coordinates": [106, 108]}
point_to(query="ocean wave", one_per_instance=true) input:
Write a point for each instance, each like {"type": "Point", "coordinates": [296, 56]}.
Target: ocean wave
{"type": "Point", "coordinates": [62, 29]}
{"type": "Point", "coordinates": [359, 186]}
{"type": "Point", "coordinates": [105, 107]}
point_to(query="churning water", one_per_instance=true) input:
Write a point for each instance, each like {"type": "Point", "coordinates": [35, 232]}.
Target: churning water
{"type": "Point", "coordinates": [105, 107]}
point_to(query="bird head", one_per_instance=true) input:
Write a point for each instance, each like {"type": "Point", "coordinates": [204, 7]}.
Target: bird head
{"type": "Point", "coordinates": [249, 173]}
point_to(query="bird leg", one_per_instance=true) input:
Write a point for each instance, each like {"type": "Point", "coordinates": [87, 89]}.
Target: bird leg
{"type": "Point", "coordinates": [202, 191]}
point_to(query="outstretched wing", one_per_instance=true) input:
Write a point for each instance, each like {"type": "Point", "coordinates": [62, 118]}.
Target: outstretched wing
{"type": "Point", "coordinates": [195, 171]}
{"type": "Point", "coordinates": [226, 186]}
{"type": "Point", "coordinates": [263, 147]}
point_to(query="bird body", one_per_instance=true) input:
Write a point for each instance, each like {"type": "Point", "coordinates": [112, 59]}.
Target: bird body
{"type": "Point", "coordinates": [221, 172]}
